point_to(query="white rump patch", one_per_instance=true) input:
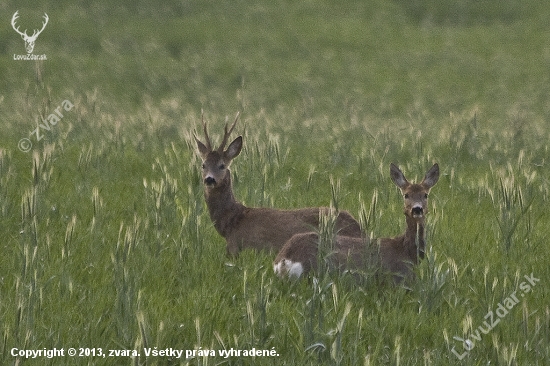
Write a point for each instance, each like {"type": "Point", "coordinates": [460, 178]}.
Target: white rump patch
{"type": "Point", "coordinates": [286, 267]}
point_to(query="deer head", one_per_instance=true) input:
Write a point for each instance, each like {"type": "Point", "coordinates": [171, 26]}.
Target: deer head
{"type": "Point", "coordinates": [215, 163]}
{"type": "Point", "coordinates": [415, 195]}
{"type": "Point", "coordinates": [29, 40]}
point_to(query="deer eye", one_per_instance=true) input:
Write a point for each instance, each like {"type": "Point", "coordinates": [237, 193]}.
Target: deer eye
{"type": "Point", "coordinates": [425, 195]}
{"type": "Point", "coordinates": [203, 166]}
{"type": "Point", "coordinates": [222, 166]}
{"type": "Point", "coordinates": [406, 195]}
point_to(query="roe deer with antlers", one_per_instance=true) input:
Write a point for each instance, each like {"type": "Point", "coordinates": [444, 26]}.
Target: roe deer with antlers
{"type": "Point", "coordinates": [247, 227]}
{"type": "Point", "coordinates": [392, 255]}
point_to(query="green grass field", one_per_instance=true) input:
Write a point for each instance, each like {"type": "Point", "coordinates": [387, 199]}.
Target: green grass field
{"type": "Point", "coordinates": [106, 240]}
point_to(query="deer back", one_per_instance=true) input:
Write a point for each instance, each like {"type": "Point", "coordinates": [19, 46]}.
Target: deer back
{"type": "Point", "coordinates": [245, 227]}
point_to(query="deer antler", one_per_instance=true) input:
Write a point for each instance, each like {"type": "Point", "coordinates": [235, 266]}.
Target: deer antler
{"type": "Point", "coordinates": [13, 20]}
{"type": "Point", "coordinates": [29, 41]}
{"type": "Point", "coordinates": [36, 31]}
{"type": "Point", "coordinates": [208, 144]}
{"type": "Point", "coordinates": [227, 133]}
{"type": "Point", "coordinates": [24, 34]}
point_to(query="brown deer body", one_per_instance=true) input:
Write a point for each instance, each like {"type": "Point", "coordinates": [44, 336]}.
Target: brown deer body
{"type": "Point", "coordinates": [247, 227]}
{"type": "Point", "coordinates": [392, 255]}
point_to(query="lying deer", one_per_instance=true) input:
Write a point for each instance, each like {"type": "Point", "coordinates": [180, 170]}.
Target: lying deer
{"type": "Point", "coordinates": [248, 227]}
{"type": "Point", "coordinates": [393, 255]}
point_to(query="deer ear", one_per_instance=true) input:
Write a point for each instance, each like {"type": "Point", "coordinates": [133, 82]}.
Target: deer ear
{"type": "Point", "coordinates": [432, 176]}
{"type": "Point", "coordinates": [234, 148]}
{"type": "Point", "coordinates": [202, 148]}
{"type": "Point", "coordinates": [398, 177]}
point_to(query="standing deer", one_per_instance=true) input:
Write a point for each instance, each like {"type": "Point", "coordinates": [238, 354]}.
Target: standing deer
{"type": "Point", "coordinates": [29, 40]}
{"type": "Point", "coordinates": [393, 255]}
{"type": "Point", "coordinates": [248, 227]}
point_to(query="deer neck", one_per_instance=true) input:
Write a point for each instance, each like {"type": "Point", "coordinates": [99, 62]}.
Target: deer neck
{"type": "Point", "coordinates": [224, 209]}
{"type": "Point", "coordinates": [413, 241]}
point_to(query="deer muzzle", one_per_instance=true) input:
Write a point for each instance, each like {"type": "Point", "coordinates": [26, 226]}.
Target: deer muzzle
{"type": "Point", "coordinates": [209, 181]}
{"type": "Point", "coordinates": [417, 211]}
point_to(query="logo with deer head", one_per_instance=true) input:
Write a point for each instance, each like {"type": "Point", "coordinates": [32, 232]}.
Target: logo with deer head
{"type": "Point", "coordinates": [29, 40]}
